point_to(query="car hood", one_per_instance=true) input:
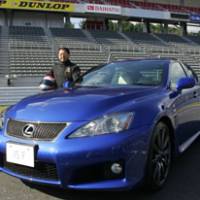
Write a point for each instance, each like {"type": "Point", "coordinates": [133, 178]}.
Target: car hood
{"type": "Point", "coordinates": [79, 104]}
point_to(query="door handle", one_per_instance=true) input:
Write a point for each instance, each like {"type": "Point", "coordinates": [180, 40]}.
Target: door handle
{"type": "Point", "coordinates": [195, 94]}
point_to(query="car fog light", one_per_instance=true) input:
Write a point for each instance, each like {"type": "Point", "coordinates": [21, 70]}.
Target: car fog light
{"type": "Point", "coordinates": [116, 168]}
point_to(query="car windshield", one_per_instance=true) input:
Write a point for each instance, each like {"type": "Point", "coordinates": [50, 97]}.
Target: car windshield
{"type": "Point", "coordinates": [128, 73]}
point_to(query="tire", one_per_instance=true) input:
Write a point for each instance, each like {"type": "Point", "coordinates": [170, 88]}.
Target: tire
{"type": "Point", "coordinates": [159, 157]}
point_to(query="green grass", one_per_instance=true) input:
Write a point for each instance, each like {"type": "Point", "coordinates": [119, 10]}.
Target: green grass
{"type": "Point", "coordinates": [2, 108]}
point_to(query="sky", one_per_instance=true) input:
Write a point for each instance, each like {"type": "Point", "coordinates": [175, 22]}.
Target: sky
{"type": "Point", "coordinates": [194, 29]}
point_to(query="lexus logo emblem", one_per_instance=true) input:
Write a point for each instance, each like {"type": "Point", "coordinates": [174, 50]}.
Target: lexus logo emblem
{"type": "Point", "coordinates": [28, 130]}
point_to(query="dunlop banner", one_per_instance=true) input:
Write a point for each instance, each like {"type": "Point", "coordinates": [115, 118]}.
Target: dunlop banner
{"type": "Point", "coordinates": [37, 5]}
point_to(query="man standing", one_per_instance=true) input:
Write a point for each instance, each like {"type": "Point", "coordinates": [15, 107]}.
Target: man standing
{"type": "Point", "coordinates": [63, 71]}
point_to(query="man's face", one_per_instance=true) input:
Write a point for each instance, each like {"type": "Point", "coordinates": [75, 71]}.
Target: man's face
{"type": "Point", "coordinates": [63, 55]}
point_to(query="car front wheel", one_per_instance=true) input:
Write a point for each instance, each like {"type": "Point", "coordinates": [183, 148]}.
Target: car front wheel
{"type": "Point", "coordinates": [159, 159]}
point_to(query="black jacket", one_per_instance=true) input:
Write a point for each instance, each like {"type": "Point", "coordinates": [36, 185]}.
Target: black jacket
{"type": "Point", "coordinates": [66, 71]}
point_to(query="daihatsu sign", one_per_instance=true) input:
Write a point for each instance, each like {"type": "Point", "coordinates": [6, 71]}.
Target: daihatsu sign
{"type": "Point", "coordinates": [102, 9]}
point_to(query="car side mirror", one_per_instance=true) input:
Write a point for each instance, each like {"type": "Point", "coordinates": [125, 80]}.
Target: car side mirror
{"type": "Point", "coordinates": [184, 83]}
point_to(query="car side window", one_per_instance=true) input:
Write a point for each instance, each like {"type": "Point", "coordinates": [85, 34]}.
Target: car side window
{"type": "Point", "coordinates": [176, 73]}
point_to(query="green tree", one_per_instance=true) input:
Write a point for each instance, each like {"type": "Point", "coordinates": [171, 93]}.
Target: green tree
{"type": "Point", "coordinates": [137, 27]}
{"type": "Point", "coordinates": [156, 28]}
{"type": "Point", "coordinates": [69, 25]}
{"type": "Point", "coordinates": [112, 26]}
{"type": "Point", "coordinates": [82, 24]}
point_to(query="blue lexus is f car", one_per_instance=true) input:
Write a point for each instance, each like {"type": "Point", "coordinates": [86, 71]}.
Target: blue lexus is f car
{"type": "Point", "coordinates": [118, 126]}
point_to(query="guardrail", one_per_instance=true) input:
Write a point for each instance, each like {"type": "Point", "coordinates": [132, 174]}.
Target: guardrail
{"type": "Point", "coordinates": [152, 49]}
{"type": "Point", "coordinates": [11, 95]}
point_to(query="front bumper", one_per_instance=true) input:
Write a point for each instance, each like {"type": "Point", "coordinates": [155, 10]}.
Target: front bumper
{"type": "Point", "coordinates": [81, 163]}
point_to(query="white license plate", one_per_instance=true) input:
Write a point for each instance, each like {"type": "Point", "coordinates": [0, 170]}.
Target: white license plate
{"type": "Point", "coordinates": [20, 154]}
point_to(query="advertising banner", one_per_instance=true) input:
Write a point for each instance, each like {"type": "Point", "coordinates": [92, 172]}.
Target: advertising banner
{"type": "Point", "coordinates": [102, 9]}
{"type": "Point", "coordinates": [37, 5]}
{"type": "Point", "coordinates": [195, 18]}
{"type": "Point", "coordinates": [142, 13]}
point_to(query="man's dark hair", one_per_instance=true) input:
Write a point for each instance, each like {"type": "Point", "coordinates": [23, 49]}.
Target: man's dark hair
{"type": "Point", "coordinates": [64, 49]}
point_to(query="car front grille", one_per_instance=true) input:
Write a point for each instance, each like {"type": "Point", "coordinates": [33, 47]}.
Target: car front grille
{"type": "Point", "coordinates": [39, 130]}
{"type": "Point", "coordinates": [41, 170]}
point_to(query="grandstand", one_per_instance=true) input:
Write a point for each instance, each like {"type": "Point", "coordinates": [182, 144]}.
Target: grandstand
{"type": "Point", "coordinates": [28, 45]}
{"type": "Point", "coordinates": [174, 6]}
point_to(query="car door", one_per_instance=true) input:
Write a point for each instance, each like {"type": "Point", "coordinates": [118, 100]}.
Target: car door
{"type": "Point", "coordinates": [185, 106]}
{"type": "Point", "coordinates": [195, 95]}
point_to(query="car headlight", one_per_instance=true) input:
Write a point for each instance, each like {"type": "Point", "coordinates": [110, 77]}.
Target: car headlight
{"type": "Point", "coordinates": [2, 117]}
{"type": "Point", "coordinates": [113, 123]}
